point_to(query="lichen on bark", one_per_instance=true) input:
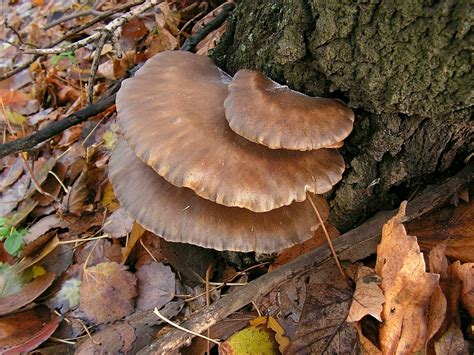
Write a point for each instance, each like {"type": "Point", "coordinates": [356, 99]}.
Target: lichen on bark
{"type": "Point", "coordinates": [405, 67]}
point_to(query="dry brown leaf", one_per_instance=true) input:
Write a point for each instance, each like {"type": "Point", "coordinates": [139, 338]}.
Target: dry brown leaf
{"type": "Point", "coordinates": [156, 286]}
{"type": "Point", "coordinates": [367, 347]}
{"type": "Point", "coordinates": [27, 294]}
{"type": "Point", "coordinates": [11, 174]}
{"type": "Point", "coordinates": [368, 296]}
{"type": "Point", "coordinates": [323, 327]}
{"type": "Point", "coordinates": [454, 225]}
{"type": "Point", "coordinates": [107, 292]}
{"type": "Point", "coordinates": [407, 289]}
{"type": "Point", "coordinates": [465, 273]}
{"type": "Point", "coordinates": [119, 224]}
{"type": "Point", "coordinates": [23, 331]}
{"type": "Point", "coordinates": [135, 235]}
{"type": "Point", "coordinates": [114, 339]}
{"type": "Point", "coordinates": [211, 40]}
{"type": "Point", "coordinates": [437, 313]}
{"type": "Point", "coordinates": [452, 342]}
{"type": "Point", "coordinates": [75, 200]}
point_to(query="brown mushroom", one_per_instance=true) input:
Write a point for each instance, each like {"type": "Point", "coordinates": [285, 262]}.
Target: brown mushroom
{"type": "Point", "coordinates": [271, 114]}
{"type": "Point", "coordinates": [172, 116]}
{"type": "Point", "coordinates": [179, 215]}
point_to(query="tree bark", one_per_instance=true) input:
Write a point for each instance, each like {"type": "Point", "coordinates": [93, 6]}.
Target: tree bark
{"type": "Point", "coordinates": [405, 68]}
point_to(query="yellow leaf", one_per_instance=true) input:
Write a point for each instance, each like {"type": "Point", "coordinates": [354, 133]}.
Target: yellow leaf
{"type": "Point", "coordinates": [14, 118]}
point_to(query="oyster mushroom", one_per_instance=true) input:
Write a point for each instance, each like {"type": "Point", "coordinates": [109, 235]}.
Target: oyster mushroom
{"type": "Point", "coordinates": [172, 116]}
{"type": "Point", "coordinates": [271, 114]}
{"type": "Point", "coordinates": [179, 215]}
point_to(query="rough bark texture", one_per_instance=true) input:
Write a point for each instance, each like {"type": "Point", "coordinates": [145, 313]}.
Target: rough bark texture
{"type": "Point", "coordinates": [405, 67]}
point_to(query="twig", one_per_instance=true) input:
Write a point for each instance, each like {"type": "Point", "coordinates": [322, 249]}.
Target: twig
{"type": "Point", "coordinates": [353, 245]}
{"type": "Point", "coordinates": [56, 127]}
{"type": "Point", "coordinates": [192, 41]}
{"type": "Point", "coordinates": [111, 27]}
{"type": "Point", "coordinates": [95, 65]}
{"type": "Point", "coordinates": [163, 318]}
{"type": "Point", "coordinates": [72, 16]}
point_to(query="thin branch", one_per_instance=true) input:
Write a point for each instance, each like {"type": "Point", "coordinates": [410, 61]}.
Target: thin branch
{"type": "Point", "coordinates": [56, 127]}
{"type": "Point", "coordinates": [112, 26]}
{"type": "Point", "coordinates": [216, 22]}
{"type": "Point", "coordinates": [95, 66]}
{"type": "Point", "coordinates": [72, 16]}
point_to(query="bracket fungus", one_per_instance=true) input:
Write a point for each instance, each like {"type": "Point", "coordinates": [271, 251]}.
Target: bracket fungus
{"type": "Point", "coordinates": [184, 174]}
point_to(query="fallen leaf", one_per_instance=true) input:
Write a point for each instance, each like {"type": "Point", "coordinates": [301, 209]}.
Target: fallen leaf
{"type": "Point", "coordinates": [10, 198]}
{"type": "Point", "coordinates": [323, 327]}
{"type": "Point", "coordinates": [97, 251]}
{"type": "Point", "coordinates": [23, 331]}
{"type": "Point", "coordinates": [453, 225]}
{"type": "Point", "coordinates": [119, 224]}
{"type": "Point", "coordinates": [263, 336]}
{"type": "Point", "coordinates": [156, 286]}
{"type": "Point", "coordinates": [68, 296]}
{"type": "Point", "coordinates": [11, 174]}
{"type": "Point", "coordinates": [407, 289]}
{"type": "Point", "coordinates": [107, 292]}
{"type": "Point", "coordinates": [210, 41]}
{"type": "Point", "coordinates": [368, 296]}
{"type": "Point", "coordinates": [367, 347]}
{"type": "Point", "coordinates": [75, 200]}
{"type": "Point", "coordinates": [15, 294]}
{"type": "Point", "coordinates": [135, 235]}
{"type": "Point", "coordinates": [452, 342]}
{"type": "Point", "coordinates": [114, 339]}
{"type": "Point", "coordinates": [465, 273]}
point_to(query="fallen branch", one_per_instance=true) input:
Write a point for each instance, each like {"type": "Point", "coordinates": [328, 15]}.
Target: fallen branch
{"type": "Point", "coordinates": [54, 128]}
{"type": "Point", "coordinates": [109, 28]}
{"type": "Point", "coordinates": [353, 245]}
{"type": "Point", "coordinates": [216, 22]}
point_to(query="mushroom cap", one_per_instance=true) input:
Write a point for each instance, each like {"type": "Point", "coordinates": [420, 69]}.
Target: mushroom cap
{"type": "Point", "coordinates": [179, 215]}
{"type": "Point", "coordinates": [172, 116]}
{"type": "Point", "coordinates": [271, 114]}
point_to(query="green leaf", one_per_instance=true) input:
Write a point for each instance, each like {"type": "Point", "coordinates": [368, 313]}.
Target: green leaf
{"type": "Point", "coordinates": [14, 242]}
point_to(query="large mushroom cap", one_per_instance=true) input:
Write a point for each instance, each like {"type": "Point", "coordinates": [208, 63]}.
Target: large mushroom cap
{"type": "Point", "coordinates": [268, 113]}
{"type": "Point", "coordinates": [179, 215]}
{"type": "Point", "coordinates": [172, 115]}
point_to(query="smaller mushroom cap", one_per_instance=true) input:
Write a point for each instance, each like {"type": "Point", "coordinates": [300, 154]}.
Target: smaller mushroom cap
{"type": "Point", "coordinates": [271, 114]}
{"type": "Point", "coordinates": [179, 215]}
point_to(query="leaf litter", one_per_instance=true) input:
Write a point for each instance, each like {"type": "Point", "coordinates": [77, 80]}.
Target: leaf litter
{"type": "Point", "coordinates": [86, 259]}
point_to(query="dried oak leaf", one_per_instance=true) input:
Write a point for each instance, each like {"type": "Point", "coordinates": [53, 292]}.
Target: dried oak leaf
{"type": "Point", "coordinates": [107, 292]}
{"type": "Point", "coordinates": [323, 327]}
{"type": "Point", "coordinates": [465, 273]}
{"type": "Point", "coordinates": [114, 339]}
{"type": "Point", "coordinates": [156, 286]}
{"type": "Point", "coordinates": [407, 289]}
{"type": "Point", "coordinates": [454, 225]}
{"type": "Point", "coordinates": [368, 296]}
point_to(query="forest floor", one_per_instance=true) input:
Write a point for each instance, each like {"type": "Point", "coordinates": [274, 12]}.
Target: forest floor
{"type": "Point", "coordinates": [78, 275]}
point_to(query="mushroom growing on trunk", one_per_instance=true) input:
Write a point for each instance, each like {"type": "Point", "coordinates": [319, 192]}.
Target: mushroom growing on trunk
{"type": "Point", "coordinates": [184, 174]}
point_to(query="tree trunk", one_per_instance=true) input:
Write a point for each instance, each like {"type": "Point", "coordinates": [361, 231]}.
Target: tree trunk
{"type": "Point", "coordinates": [405, 68]}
